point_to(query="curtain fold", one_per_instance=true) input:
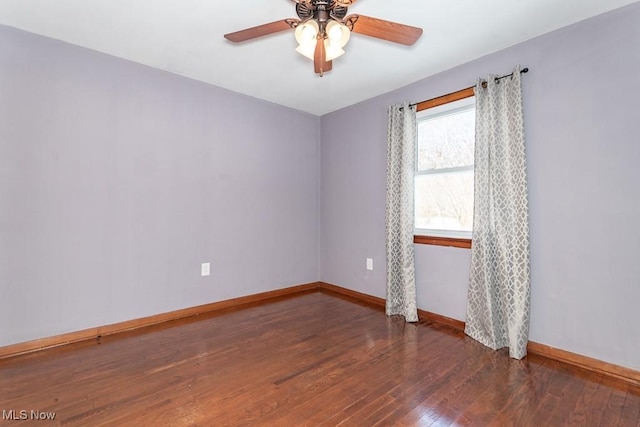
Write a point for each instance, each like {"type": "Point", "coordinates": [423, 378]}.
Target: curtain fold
{"type": "Point", "coordinates": [499, 286]}
{"type": "Point", "coordinates": [399, 212]}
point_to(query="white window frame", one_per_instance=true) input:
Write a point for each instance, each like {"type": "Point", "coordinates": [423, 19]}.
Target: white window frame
{"type": "Point", "coordinates": [449, 108]}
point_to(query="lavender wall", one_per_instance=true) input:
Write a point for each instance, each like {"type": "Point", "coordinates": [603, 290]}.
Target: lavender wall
{"type": "Point", "coordinates": [117, 181]}
{"type": "Point", "coordinates": [581, 108]}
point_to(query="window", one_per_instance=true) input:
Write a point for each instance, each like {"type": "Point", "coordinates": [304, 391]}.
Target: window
{"type": "Point", "coordinates": [444, 172]}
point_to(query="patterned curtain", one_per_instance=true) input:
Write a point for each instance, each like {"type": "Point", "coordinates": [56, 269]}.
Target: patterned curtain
{"type": "Point", "coordinates": [401, 141]}
{"type": "Point", "coordinates": [499, 288]}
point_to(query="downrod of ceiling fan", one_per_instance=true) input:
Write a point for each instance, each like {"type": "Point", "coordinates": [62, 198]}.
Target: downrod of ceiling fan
{"type": "Point", "coordinates": [321, 15]}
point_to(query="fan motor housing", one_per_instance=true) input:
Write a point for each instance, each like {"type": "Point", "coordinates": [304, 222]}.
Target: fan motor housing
{"type": "Point", "coordinates": [320, 10]}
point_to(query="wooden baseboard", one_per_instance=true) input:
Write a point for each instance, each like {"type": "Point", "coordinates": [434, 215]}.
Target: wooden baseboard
{"type": "Point", "coordinates": [444, 320]}
{"type": "Point", "coordinates": [92, 333]}
{"type": "Point", "coordinates": [615, 371]}
{"type": "Point", "coordinates": [369, 299]}
{"type": "Point", "coordinates": [380, 302]}
{"type": "Point", "coordinates": [585, 362]}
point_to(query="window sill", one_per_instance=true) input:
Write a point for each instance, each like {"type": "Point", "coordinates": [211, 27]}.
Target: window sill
{"type": "Point", "coordinates": [443, 241]}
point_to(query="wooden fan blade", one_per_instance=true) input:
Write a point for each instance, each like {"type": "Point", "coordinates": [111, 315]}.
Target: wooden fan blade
{"type": "Point", "coordinates": [320, 63]}
{"type": "Point", "coordinates": [319, 57]}
{"type": "Point", "coordinates": [259, 31]}
{"type": "Point", "coordinates": [381, 29]}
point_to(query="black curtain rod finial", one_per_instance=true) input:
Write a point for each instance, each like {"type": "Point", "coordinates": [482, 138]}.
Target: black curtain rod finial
{"type": "Point", "coordinates": [524, 70]}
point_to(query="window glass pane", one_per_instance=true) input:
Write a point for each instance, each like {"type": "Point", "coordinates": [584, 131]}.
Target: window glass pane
{"type": "Point", "coordinates": [446, 141]}
{"type": "Point", "coordinates": [444, 201]}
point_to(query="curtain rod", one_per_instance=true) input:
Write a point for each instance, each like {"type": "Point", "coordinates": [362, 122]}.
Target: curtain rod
{"type": "Point", "coordinates": [484, 84]}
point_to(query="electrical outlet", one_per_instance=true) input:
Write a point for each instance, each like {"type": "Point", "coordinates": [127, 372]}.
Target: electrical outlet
{"type": "Point", "coordinates": [205, 269]}
{"type": "Point", "coordinates": [369, 263]}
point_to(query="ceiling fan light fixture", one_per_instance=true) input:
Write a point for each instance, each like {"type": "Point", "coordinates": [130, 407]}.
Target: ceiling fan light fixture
{"type": "Point", "coordinates": [324, 28]}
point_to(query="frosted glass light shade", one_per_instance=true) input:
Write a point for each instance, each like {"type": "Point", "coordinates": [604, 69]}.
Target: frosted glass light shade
{"type": "Point", "coordinates": [307, 49]}
{"type": "Point", "coordinates": [332, 51]}
{"type": "Point", "coordinates": [338, 34]}
{"type": "Point", "coordinates": [307, 32]}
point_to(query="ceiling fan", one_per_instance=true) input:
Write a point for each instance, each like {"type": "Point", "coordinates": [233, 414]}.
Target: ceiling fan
{"type": "Point", "coordinates": [324, 29]}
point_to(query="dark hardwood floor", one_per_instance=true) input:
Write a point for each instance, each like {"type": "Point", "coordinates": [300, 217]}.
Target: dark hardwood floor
{"type": "Point", "coordinates": [310, 359]}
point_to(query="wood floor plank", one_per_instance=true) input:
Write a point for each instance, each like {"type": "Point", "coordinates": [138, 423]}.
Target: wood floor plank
{"type": "Point", "coordinates": [560, 393]}
{"type": "Point", "coordinates": [306, 360]}
{"type": "Point", "coordinates": [469, 359]}
{"type": "Point", "coordinates": [631, 410]}
{"type": "Point", "coordinates": [615, 407]}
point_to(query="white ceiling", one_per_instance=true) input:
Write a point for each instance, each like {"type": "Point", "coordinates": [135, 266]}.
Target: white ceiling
{"type": "Point", "coordinates": [186, 37]}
